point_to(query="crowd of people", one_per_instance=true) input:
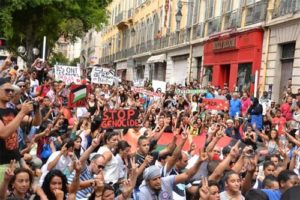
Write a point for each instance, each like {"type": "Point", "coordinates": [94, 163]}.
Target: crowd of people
{"type": "Point", "coordinates": [50, 151]}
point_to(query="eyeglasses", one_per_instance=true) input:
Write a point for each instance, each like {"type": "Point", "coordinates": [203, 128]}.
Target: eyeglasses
{"type": "Point", "coordinates": [7, 90]}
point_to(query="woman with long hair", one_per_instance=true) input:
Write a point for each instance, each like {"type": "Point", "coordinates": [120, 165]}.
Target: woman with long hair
{"type": "Point", "coordinates": [17, 183]}
{"type": "Point", "coordinates": [55, 185]}
{"type": "Point", "coordinates": [232, 187]}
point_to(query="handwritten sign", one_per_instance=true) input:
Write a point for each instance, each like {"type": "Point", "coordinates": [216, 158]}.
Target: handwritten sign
{"type": "Point", "coordinates": [67, 74]}
{"type": "Point", "coordinates": [178, 91]}
{"type": "Point", "coordinates": [102, 75]}
{"type": "Point", "coordinates": [216, 104]}
{"type": "Point", "coordinates": [120, 119]}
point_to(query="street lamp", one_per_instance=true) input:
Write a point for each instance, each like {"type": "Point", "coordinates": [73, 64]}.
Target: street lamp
{"type": "Point", "coordinates": [22, 51]}
{"type": "Point", "coordinates": [178, 18]}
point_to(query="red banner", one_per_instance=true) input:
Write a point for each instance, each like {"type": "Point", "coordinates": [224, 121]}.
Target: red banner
{"type": "Point", "coordinates": [120, 119]}
{"type": "Point", "coordinates": [216, 104]}
{"type": "Point", "coordinates": [166, 138]}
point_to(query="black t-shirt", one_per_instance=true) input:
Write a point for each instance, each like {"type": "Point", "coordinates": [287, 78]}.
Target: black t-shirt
{"type": "Point", "coordinates": [9, 147]}
{"type": "Point", "coordinates": [139, 159]}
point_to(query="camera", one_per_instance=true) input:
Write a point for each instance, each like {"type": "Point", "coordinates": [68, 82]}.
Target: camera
{"type": "Point", "coordinates": [36, 105]}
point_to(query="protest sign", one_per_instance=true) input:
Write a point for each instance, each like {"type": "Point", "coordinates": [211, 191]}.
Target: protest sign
{"type": "Point", "coordinates": [216, 104]}
{"type": "Point", "coordinates": [67, 74]}
{"type": "Point", "coordinates": [159, 85]}
{"type": "Point", "coordinates": [120, 119]}
{"type": "Point", "coordinates": [101, 75]}
{"type": "Point", "coordinates": [182, 92]}
{"type": "Point", "coordinates": [78, 95]}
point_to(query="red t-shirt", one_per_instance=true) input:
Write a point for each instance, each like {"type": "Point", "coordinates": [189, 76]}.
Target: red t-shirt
{"type": "Point", "coordinates": [280, 122]}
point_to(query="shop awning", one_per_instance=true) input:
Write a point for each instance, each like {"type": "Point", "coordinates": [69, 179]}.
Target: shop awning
{"type": "Point", "coordinates": [157, 59]}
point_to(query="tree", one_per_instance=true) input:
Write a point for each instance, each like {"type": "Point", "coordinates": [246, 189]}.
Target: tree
{"type": "Point", "coordinates": [25, 22]}
{"type": "Point", "coordinates": [58, 58]}
{"type": "Point", "coordinates": [75, 61]}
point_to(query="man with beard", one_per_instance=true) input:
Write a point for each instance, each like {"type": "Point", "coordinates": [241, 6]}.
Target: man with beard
{"type": "Point", "coordinates": [156, 187]}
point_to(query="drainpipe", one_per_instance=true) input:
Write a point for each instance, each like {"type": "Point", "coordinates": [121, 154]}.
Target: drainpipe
{"type": "Point", "coordinates": [265, 63]}
{"type": "Point", "coordinates": [190, 64]}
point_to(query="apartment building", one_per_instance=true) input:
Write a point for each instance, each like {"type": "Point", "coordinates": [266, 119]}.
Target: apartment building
{"type": "Point", "coordinates": [218, 42]}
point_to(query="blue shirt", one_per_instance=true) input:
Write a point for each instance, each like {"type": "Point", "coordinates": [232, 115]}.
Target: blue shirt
{"type": "Point", "coordinates": [272, 194]}
{"type": "Point", "coordinates": [235, 107]}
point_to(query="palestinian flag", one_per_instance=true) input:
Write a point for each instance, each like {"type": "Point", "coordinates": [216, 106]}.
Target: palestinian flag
{"type": "Point", "coordinates": [79, 92]}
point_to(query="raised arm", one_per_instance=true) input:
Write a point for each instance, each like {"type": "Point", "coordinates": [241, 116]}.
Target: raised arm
{"type": "Point", "coordinates": [218, 172]}
{"type": "Point", "coordinates": [172, 160]}
{"type": "Point", "coordinates": [84, 157]}
{"type": "Point", "coordinates": [11, 127]}
{"type": "Point", "coordinates": [192, 171]}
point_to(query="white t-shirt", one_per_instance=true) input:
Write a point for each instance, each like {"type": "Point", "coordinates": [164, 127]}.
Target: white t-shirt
{"type": "Point", "coordinates": [111, 170]}
{"type": "Point", "coordinates": [63, 165]}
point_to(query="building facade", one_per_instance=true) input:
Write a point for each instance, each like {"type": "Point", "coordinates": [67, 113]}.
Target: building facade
{"type": "Point", "coordinates": [223, 42]}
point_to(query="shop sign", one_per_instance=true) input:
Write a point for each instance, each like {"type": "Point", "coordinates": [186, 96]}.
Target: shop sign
{"type": "Point", "coordinates": [223, 45]}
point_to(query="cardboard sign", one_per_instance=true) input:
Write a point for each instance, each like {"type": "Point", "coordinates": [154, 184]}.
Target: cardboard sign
{"type": "Point", "coordinates": [67, 74]}
{"type": "Point", "coordinates": [120, 119]}
{"type": "Point", "coordinates": [182, 92]}
{"type": "Point", "coordinates": [102, 75]}
{"type": "Point", "coordinates": [216, 104]}
{"type": "Point", "coordinates": [72, 102]}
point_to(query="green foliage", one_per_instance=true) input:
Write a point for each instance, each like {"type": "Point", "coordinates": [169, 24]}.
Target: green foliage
{"type": "Point", "coordinates": [75, 61]}
{"type": "Point", "coordinates": [25, 22]}
{"type": "Point", "coordinates": [58, 58]}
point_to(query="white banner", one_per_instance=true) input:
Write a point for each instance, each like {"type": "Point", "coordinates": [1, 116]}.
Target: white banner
{"type": "Point", "coordinates": [102, 75]}
{"type": "Point", "coordinates": [67, 74]}
{"type": "Point", "coordinates": [159, 85]}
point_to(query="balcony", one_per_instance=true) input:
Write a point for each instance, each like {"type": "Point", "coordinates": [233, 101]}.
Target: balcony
{"type": "Point", "coordinates": [198, 31]}
{"type": "Point", "coordinates": [256, 12]}
{"type": "Point", "coordinates": [232, 20]}
{"type": "Point", "coordinates": [286, 7]}
{"type": "Point", "coordinates": [214, 25]}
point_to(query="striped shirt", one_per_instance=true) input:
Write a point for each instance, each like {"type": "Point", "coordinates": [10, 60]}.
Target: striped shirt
{"type": "Point", "coordinates": [85, 175]}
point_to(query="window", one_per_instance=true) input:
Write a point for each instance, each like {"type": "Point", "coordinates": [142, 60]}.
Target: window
{"type": "Point", "coordinates": [288, 51]}
{"type": "Point", "coordinates": [210, 8]}
{"type": "Point", "coordinates": [226, 6]}
{"type": "Point", "coordinates": [244, 77]}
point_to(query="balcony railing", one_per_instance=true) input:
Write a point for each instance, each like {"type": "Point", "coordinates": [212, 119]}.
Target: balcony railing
{"type": "Point", "coordinates": [214, 25]}
{"type": "Point", "coordinates": [256, 12]}
{"type": "Point", "coordinates": [283, 7]}
{"type": "Point", "coordinates": [198, 31]}
{"type": "Point", "coordinates": [232, 19]}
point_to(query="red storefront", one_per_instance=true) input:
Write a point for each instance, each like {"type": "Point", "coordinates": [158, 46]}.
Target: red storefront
{"type": "Point", "coordinates": [232, 59]}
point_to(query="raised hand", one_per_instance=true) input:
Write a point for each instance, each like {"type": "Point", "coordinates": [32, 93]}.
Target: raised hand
{"type": "Point", "coordinates": [204, 190]}
{"type": "Point", "coordinates": [9, 173]}
{"type": "Point", "coordinates": [64, 149]}
{"type": "Point", "coordinates": [148, 159]}
{"type": "Point", "coordinates": [203, 155]}
{"type": "Point", "coordinates": [235, 149]}
{"type": "Point", "coordinates": [77, 166]}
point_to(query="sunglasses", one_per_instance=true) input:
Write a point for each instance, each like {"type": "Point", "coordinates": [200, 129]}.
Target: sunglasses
{"type": "Point", "coordinates": [100, 166]}
{"type": "Point", "coordinates": [22, 86]}
{"type": "Point", "coordinates": [9, 90]}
